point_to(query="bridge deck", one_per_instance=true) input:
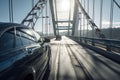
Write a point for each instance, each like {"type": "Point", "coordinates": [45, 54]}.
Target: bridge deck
{"type": "Point", "coordinates": [71, 61]}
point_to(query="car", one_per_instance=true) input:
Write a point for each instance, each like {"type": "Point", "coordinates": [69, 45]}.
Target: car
{"type": "Point", "coordinates": [58, 37]}
{"type": "Point", "coordinates": [24, 54]}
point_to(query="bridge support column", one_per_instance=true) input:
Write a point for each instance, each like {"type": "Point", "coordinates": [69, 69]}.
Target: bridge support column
{"type": "Point", "coordinates": [75, 16]}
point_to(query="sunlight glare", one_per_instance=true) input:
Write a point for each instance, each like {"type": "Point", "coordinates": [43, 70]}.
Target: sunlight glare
{"type": "Point", "coordinates": [65, 5]}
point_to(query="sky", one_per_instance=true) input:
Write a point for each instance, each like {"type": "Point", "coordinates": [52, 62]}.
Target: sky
{"type": "Point", "coordinates": [22, 7]}
{"type": "Point", "coordinates": [20, 10]}
{"type": "Point", "coordinates": [106, 13]}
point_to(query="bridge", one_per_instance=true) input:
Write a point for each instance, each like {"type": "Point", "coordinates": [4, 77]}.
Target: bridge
{"type": "Point", "coordinates": [89, 46]}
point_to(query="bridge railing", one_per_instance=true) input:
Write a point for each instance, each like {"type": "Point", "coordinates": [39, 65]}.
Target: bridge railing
{"type": "Point", "coordinates": [105, 44]}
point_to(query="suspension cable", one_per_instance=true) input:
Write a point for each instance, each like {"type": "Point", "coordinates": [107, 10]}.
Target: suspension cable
{"type": "Point", "coordinates": [42, 22]}
{"type": "Point", "coordinates": [88, 6]}
{"type": "Point", "coordinates": [93, 17]}
{"type": "Point", "coordinates": [49, 18]}
{"type": "Point", "coordinates": [56, 14]}
{"type": "Point", "coordinates": [91, 22]}
{"type": "Point", "coordinates": [32, 13]}
{"type": "Point", "coordinates": [101, 13]}
{"type": "Point", "coordinates": [11, 11]}
{"type": "Point", "coordinates": [69, 18]}
{"type": "Point", "coordinates": [80, 22]}
{"type": "Point", "coordinates": [111, 19]}
{"type": "Point", "coordinates": [46, 24]}
{"type": "Point", "coordinates": [84, 21]}
{"type": "Point", "coordinates": [88, 13]}
{"type": "Point", "coordinates": [32, 23]}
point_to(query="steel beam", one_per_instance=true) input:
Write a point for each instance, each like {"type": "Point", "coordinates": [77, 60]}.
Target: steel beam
{"type": "Point", "coordinates": [74, 18]}
{"type": "Point", "coordinates": [53, 16]}
{"type": "Point", "coordinates": [28, 20]}
{"type": "Point", "coordinates": [63, 27]}
{"type": "Point", "coordinates": [63, 21]}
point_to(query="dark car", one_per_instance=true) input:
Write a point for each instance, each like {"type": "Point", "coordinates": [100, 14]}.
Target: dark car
{"type": "Point", "coordinates": [58, 37]}
{"type": "Point", "coordinates": [24, 54]}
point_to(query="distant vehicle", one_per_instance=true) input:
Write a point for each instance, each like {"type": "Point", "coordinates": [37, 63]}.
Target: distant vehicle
{"type": "Point", "coordinates": [58, 37]}
{"type": "Point", "coordinates": [23, 53]}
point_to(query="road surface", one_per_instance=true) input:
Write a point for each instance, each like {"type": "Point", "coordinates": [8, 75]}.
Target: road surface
{"type": "Point", "coordinates": [71, 61]}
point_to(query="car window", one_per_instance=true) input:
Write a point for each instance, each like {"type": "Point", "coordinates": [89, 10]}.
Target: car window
{"type": "Point", "coordinates": [18, 39]}
{"type": "Point", "coordinates": [7, 40]}
{"type": "Point", "coordinates": [38, 37]}
{"type": "Point", "coordinates": [26, 36]}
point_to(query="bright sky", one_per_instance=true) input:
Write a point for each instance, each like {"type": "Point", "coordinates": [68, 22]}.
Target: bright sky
{"type": "Point", "coordinates": [22, 7]}
{"type": "Point", "coordinates": [63, 8]}
{"type": "Point", "coordinates": [106, 13]}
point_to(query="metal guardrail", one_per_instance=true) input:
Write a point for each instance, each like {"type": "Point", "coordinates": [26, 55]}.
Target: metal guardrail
{"type": "Point", "coordinates": [105, 44]}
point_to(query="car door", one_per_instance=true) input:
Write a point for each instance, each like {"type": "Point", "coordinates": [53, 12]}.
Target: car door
{"type": "Point", "coordinates": [8, 54]}
{"type": "Point", "coordinates": [44, 56]}
{"type": "Point", "coordinates": [33, 48]}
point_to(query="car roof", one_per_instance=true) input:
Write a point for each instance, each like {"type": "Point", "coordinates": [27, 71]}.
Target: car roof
{"type": "Point", "coordinates": [4, 26]}
{"type": "Point", "coordinates": [7, 25]}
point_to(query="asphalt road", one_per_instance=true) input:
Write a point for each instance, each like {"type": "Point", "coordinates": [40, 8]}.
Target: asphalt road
{"type": "Point", "coordinates": [71, 61]}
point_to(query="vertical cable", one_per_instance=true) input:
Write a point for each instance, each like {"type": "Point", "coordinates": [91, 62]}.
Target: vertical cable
{"type": "Point", "coordinates": [111, 19]}
{"type": "Point", "coordinates": [32, 3]}
{"type": "Point", "coordinates": [101, 14]}
{"type": "Point", "coordinates": [32, 24]}
{"type": "Point", "coordinates": [69, 19]}
{"type": "Point", "coordinates": [56, 15]}
{"type": "Point", "coordinates": [49, 19]}
{"type": "Point", "coordinates": [81, 1]}
{"type": "Point", "coordinates": [11, 11]}
{"type": "Point", "coordinates": [46, 22]}
{"type": "Point", "coordinates": [88, 7]}
{"type": "Point", "coordinates": [88, 13]}
{"type": "Point", "coordinates": [42, 22]}
{"type": "Point", "coordinates": [93, 16]}
{"type": "Point", "coordinates": [80, 23]}
{"type": "Point", "coordinates": [84, 22]}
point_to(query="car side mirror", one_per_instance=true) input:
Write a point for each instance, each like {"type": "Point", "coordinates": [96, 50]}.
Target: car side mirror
{"type": "Point", "coordinates": [46, 40]}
